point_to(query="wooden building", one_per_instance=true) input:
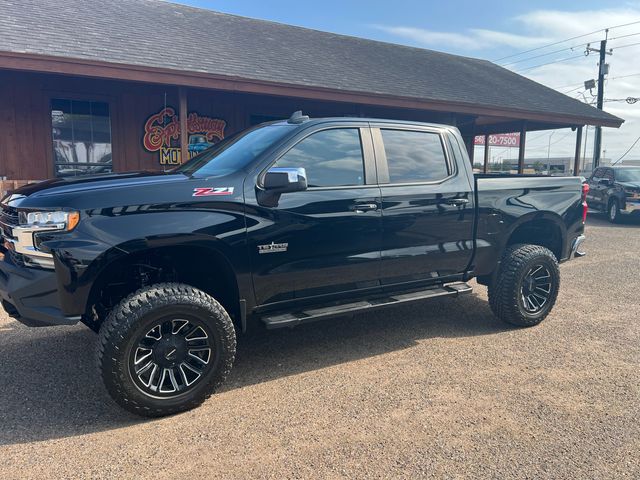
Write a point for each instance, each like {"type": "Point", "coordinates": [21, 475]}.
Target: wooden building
{"type": "Point", "coordinates": [88, 86]}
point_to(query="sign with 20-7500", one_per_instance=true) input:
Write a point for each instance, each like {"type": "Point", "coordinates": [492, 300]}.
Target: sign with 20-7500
{"type": "Point", "coordinates": [500, 140]}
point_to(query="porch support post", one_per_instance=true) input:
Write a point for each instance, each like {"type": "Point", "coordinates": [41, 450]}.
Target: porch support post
{"type": "Point", "coordinates": [470, 147]}
{"type": "Point", "coordinates": [486, 154]}
{"type": "Point", "coordinates": [576, 159]}
{"type": "Point", "coordinates": [184, 135]}
{"type": "Point", "coordinates": [523, 141]}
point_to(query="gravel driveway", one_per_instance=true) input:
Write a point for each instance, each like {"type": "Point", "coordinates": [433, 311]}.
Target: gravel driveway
{"type": "Point", "coordinates": [436, 389]}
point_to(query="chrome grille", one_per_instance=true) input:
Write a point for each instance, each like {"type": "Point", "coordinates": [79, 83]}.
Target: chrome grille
{"type": "Point", "coordinates": [8, 220]}
{"type": "Point", "coordinates": [18, 240]}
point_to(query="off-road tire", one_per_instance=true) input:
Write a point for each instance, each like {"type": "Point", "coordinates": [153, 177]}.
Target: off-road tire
{"type": "Point", "coordinates": [613, 211]}
{"type": "Point", "coordinates": [505, 292]}
{"type": "Point", "coordinates": [127, 321]}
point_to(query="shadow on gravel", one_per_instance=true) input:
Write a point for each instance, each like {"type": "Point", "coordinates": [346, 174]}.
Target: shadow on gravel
{"type": "Point", "coordinates": [50, 387]}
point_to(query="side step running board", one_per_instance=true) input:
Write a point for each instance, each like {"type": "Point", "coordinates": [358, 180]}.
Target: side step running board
{"type": "Point", "coordinates": [313, 314]}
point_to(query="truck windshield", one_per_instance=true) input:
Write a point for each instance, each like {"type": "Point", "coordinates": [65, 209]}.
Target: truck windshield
{"type": "Point", "coordinates": [233, 153]}
{"type": "Point", "coordinates": [628, 175]}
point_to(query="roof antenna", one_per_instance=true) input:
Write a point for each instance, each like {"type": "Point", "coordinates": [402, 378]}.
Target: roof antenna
{"type": "Point", "coordinates": [297, 117]}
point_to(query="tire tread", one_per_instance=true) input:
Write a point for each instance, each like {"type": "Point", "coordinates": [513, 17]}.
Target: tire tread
{"type": "Point", "coordinates": [503, 292]}
{"type": "Point", "coordinates": [122, 319]}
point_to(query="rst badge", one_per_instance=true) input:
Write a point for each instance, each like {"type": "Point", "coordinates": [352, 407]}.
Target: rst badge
{"type": "Point", "coordinates": [209, 191]}
{"type": "Point", "coordinates": [273, 248]}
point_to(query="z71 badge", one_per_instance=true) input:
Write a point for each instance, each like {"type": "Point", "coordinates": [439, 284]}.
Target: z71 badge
{"type": "Point", "coordinates": [208, 191]}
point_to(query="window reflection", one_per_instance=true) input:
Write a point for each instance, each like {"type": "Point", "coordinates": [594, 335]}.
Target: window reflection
{"type": "Point", "coordinates": [81, 132]}
{"type": "Point", "coordinates": [414, 156]}
{"type": "Point", "coordinates": [330, 157]}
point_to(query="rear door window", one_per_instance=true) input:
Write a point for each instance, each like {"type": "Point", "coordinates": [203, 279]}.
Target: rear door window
{"type": "Point", "coordinates": [414, 156]}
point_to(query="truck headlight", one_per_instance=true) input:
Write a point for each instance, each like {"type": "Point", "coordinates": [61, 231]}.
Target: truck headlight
{"type": "Point", "coordinates": [53, 220]}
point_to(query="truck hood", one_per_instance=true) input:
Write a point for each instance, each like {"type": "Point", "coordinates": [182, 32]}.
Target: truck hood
{"type": "Point", "coordinates": [635, 185]}
{"type": "Point", "coordinates": [59, 186]}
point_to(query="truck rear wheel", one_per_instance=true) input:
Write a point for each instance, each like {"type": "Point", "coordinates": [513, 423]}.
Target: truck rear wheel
{"type": "Point", "coordinates": [526, 287]}
{"type": "Point", "coordinates": [165, 349]}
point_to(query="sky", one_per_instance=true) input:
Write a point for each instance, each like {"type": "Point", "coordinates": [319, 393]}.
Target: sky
{"type": "Point", "coordinates": [499, 31]}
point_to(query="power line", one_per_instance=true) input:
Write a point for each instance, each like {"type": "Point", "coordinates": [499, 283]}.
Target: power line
{"type": "Point", "coordinates": [629, 100]}
{"type": "Point", "coordinates": [565, 40]}
{"type": "Point", "coordinates": [573, 89]}
{"type": "Point", "coordinates": [619, 77]}
{"type": "Point", "coordinates": [625, 46]}
{"type": "Point", "coordinates": [625, 153]}
{"type": "Point", "coordinates": [625, 36]}
{"type": "Point", "coordinates": [550, 63]}
{"type": "Point", "coordinates": [572, 47]}
{"type": "Point", "coordinates": [545, 54]}
{"type": "Point", "coordinates": [579, 86]}
{"type": "Point", "coordinates": [567, 86]}
{"type": "Point", "coordinates": [624, 76]}
{"type": "Point", "coordinates": [560, 139]}
{"type": "Point", "coordinates": [549, 45]}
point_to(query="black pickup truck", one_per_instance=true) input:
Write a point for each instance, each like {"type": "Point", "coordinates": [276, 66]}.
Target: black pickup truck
{"type": "Point", "coordinates": [286, 223]}
{"type": "Point", "coordinates": [615, 190]}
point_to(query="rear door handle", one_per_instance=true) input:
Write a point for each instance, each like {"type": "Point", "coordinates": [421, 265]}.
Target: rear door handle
{"type": "Point", "coordinates": [457, 201]}
{"type": "Point", "coordinates": [364, 207]}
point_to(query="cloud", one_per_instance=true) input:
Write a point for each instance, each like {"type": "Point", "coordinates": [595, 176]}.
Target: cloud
{"type": "Point", "coordinates": [538, 28]}
{"type": "Point", "coordinates": [472, 39]}
{"type": "Point", "coordinates": [493, 38]}
{"type": "Point", "coordinates": [624, 61]}
{"type": "Point", "coordinates": [568, 24]}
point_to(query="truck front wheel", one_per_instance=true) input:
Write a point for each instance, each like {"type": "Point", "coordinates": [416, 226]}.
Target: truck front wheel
{"type": "Point", "coordinates": [165, 349]}
{"type": "Point", "coordinates": [526, 287]}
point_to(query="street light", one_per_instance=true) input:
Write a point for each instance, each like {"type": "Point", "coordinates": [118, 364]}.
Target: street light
{"type": "Point", "coordinates": [549, 154]}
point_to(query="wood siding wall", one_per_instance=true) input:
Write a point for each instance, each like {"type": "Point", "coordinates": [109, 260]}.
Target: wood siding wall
{"type": "Point", "coordinates": [26, 150]}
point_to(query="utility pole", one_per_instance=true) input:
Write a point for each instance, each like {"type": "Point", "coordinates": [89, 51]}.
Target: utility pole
{"type": "Point", "coordinates": [603, 69]}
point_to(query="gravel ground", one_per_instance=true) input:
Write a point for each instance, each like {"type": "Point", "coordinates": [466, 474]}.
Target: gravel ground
{"type": "Point", "coordinates": [440, 389]}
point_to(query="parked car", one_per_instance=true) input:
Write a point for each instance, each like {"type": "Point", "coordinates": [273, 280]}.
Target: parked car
{"type": "Point", "coordinates": [615, 190]}
{"type": "Point", "coordinates": [286, 223]}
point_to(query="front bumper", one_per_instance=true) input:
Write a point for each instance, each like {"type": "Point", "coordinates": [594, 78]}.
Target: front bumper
{"type": "Point", "coordinates": [30, 295]}
{"type": "Point", "coordinates": [632, 207]}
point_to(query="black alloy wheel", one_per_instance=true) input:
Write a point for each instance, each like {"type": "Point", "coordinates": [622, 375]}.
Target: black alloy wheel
{"type": "Point", "coordinates": [526, 286]}
{"type": "Point", "coordinates": [172, 356]}
{"type": "Point", "coordinates": [535, 289]}
{"type": "Point", "coordinates": [165, 349]}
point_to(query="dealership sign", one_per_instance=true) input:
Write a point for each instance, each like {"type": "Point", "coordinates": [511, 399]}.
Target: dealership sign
{"type": "Point", "coordinates": [162, 134]}
{"type": "Point", "coordinates": [500, 140]}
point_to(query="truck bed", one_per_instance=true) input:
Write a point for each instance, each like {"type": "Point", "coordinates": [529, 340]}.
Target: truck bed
{"type": "Point", "coordinates": [506, 201]}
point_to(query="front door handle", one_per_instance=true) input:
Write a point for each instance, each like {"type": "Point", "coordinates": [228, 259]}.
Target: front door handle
{"type": "Point", "coordinates": [364, 207]}
{"type": "Point", "coordinates": [457, 201]}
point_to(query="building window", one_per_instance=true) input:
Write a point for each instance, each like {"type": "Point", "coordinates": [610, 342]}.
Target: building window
{"type": "Point", "coordinates": [81, 133]}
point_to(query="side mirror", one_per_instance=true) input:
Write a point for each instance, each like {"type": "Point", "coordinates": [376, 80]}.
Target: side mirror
{"type": "Point", "coordinates": [285, 180]}
{"type": "Point", "coordinates": [279, 180]}
{"type": "Point", "coordinates": [604, 181]}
